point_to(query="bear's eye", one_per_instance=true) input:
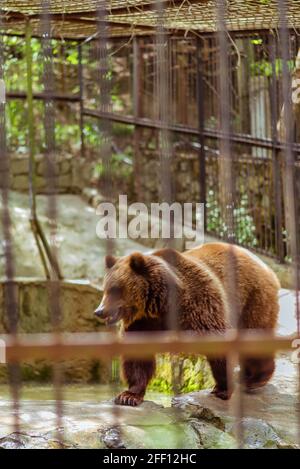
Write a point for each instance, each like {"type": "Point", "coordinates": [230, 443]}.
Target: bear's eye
{"type": "Point", "coordinates": [115, 291]}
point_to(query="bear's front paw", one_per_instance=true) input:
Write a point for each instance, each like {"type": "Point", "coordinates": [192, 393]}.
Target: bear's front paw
{"type": "Point", "coordinates": [129, 398]}
{"type": "Point", "coordinates": [223, 394]}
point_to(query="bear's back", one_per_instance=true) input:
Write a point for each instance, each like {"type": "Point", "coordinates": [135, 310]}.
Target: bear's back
{"type": "Point", "coordinates": [250, 271]}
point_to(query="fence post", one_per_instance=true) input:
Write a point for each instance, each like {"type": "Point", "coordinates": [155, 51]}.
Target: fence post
{"type": "Point", "coordinates": [200, 106]}
{"type": "Point", "coordinates": [137, 106]}
{"type": "Point", "coordinates": [80, 78]}
{"type": "Point", "coordinates": [276, 155]}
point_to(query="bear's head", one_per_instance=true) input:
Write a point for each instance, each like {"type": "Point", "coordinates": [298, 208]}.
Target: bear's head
{"type": "Point", "coordinates": [135, 287]}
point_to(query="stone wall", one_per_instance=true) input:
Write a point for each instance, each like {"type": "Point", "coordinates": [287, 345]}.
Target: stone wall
{"type": "Point", "coordinates": [184, 173]}
{"type": "Point", "coordinates": [78, 300]}
{"type": "Point", "coordinates": [72, 173]}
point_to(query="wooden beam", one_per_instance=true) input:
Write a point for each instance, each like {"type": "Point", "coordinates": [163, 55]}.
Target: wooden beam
{"type": "Point", "coordinates": [106, 345]}
{"type": "Point", "coordinates": [43, 96]}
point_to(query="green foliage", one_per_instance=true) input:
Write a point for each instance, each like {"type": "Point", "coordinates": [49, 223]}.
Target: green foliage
{"type": "Point", "coordinates": [66, 135]}
{"type": "Point", "coordinates": [15, 64]}
{"type": "Point", "coordinates": [121, 162]}
{"type": "Point", "coordinates": [17, 126]}
{"type": "Point", "coordinates": [65, 61]}
{"type": "Point", "coordinates": [244, 223]}
{"type": "Point", "coordinates": [257, 41]}
{"type": "Point", "coordinates": [120, 166]}
{"type": "Point", "coordinates": [191, 373]}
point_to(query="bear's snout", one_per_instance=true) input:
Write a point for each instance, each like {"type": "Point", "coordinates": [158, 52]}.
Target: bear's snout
{"type": "Point", "coordinates": [106, 315]}
{"type": "Point", "coordinates": [99, 312]}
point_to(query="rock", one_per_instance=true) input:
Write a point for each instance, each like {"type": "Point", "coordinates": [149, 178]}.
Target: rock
{"type": "Point", "coordinates": [20, 182]}
{"type": "Point", "coordinates": [65, 167]}
{"type": "Point", "coordinates": [42, 169]}
{"type": "Point", "coordinates": [64, 181]}
{"type": "Point", "coordinates": [92, 425]}
{"type": "Point", "coordinates": [19, 165]}
{"type": "Point", "coordinates": [190, 423]}
{"type": "Point", "coordinates": [25, 441]}
{"type": "Point", "coordinates": [112, 438]}
{"type": "Point", "coordinates": [259, 434]}
{"type": "Point", "coordinates": [78, 300]}
{"type": "Point", "coordinates": [211, 437]}
{"type": "Point", "coordinates": [80, 251]}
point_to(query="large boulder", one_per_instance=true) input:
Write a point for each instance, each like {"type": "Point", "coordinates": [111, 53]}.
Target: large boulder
{"type": "Point", "coordinates": [270, 415]}
{"type": "Point", "coordinates": [91, 425]}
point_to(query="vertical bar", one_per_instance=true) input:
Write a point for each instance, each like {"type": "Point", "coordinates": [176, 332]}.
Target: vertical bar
{"type": "Point", "coordinates": [162, 47]}
{"type": "Point", "coordinates": [277, 186]}
{"type": "Point", "coordinates": [11, 292]}
{"type": "Point", "coordinates": [51, 178]}
{"type": "Point", "coordinates": [105, 126]}
{"type": "Point", "coordinates": [290, 169]}
{"type": "Point", "coordinates": [201, 152]}
{"type": "Point", "coordinates": [165, 149]}
{"type": "Point", "coordinates": [81, 104]}
{"type": "Point", "coordinates": [137, 106]}
{"type": "Point", "coordinates": [31, 135]}
{"type": "Point", "coordinates": [40, 239]}
{"type": "Point", "coordinates": [105, 131]}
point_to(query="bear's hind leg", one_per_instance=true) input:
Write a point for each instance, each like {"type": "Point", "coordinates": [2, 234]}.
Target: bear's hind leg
{"type": "Point", "coordinates": [258, 371]}
{"type": "Point", "coordinates": [219, 371]}
{"type": "Point", "coordinates": [138, 373]}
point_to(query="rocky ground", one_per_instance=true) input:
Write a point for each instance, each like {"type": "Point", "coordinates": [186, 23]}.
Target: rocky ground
{"type": "Point", "coordinates": [194, 420]}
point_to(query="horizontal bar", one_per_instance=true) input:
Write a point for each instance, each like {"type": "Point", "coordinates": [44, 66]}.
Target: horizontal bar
{"type": "Point", "coordinates": [19, 34]}
{"type": "Point", "coordinates": [209, 133]}
{"type": "Point", "coordinates": [176, 33]}
{"type": "Point", "coordinates": [91, 14]}
{"type": "Point", "coordinates": [106, 345]}
{"type": "Point", "coordinates": [44, 96]}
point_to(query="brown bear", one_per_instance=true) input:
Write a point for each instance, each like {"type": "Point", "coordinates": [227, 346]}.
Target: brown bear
{"type": "Point", "coordinates": [190, 291]}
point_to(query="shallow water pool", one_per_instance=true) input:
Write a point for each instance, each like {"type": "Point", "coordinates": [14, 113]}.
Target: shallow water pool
{"type": "Point", "coordinates": [77, 393]}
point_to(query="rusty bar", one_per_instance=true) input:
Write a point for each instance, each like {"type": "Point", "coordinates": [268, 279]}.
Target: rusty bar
{"type": "Point", "coordinates": [208, 133]}
{"type": "Point", "coordinates": [277, 186]}
{"type": "Point", "coordinates": [201, 117]}
{"type": "Point", "coordinates": [43, 96]}
{"type": "Point", "coordinates": [51, 180]}
{"type": "Point", "coordinates": [137, 107]}
{"type": "Point", "coordinates": [228, 205]}
{"type": "Point", "coordinates": [35, 36]}
{"type": "Point", "coordinates": [11, 289]}
{"type": "Point", "coordinates": [289, 164]}
{"type": "Point", "coordinates": [81, 100]}
{"type": "Point", "coordinates": [105, 105]}
{"type": "Point", "coordinates": [165, 149]}
{"type": "Point", "coordinates": [105, 132]}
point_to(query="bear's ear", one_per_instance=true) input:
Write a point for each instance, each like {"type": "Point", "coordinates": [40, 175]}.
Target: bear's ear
{"type": "Point", "coordinates": [138, 263]}
{"type": "Point", "coordinates": [110, 261]}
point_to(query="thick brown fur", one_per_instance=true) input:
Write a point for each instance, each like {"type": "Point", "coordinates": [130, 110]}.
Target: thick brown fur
{"type": "Point", "coordinates": [143, 291]}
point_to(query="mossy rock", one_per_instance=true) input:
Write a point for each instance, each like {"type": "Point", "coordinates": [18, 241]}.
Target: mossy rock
{"type": "Point", "coordinates": [181, 374]}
